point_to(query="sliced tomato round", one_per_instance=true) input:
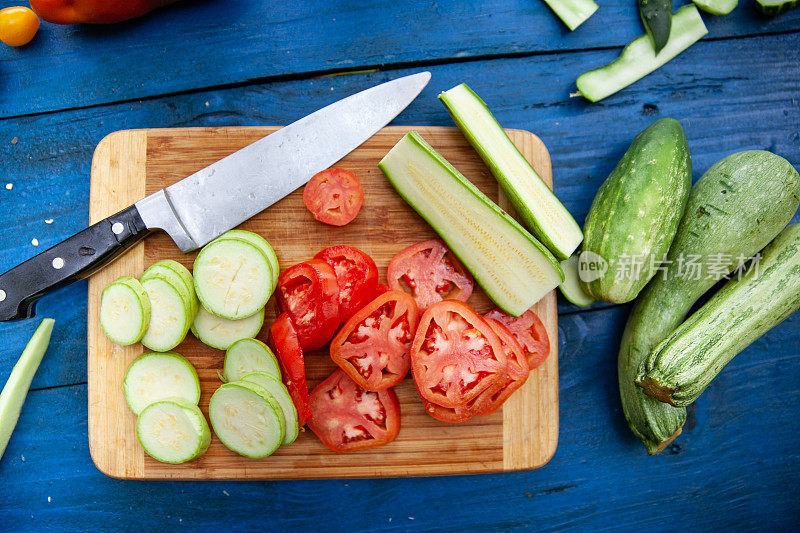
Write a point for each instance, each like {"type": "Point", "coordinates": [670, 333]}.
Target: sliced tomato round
{"type": "Point", "coordinates": [517, 372]}
{"type": "Point", "coordinates": [431, 272]}
{"type": "Point", "coordinates": [284, 342]}
{"type": "Point", "coordinates": [309, 293]}
{"type": "Point", "coordinates": [334, 196]}
{"type": "Point", "coordinates": [455, 355]}
{"type": "Point", "coordinates": [447, 414]}
{"type": "Point", "coordinates": [529, 332]}
{"type": "Point", "coordinates": [380, 288]}
{"type": "Point", "coordinates": [374, 346]}
{"type": "Point", "coordinates": [346, 417]}
{"type": "Point", "coordinates": [356, 275]}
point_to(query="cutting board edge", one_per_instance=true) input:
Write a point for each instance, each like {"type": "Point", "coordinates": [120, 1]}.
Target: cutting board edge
{"type": "Point", "coordinates": [137, 138]}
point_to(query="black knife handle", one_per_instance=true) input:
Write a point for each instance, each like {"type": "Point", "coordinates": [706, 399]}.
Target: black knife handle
{"type": "Point", "coordinates": [72, 259]}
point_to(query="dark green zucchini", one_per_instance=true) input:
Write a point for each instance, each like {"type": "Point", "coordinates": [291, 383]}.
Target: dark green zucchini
{"type": "Point", "coordinates": [657, 19]}
{"type": "Point", "coordinates": [736, 208]}
{"type": "Point", "coordinates": [635, 214]}
{"type": "Point", "coordinates": [682, 366]}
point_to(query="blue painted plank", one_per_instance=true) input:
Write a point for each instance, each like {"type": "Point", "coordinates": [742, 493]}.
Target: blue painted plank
{"type": "Point", "coordinates": [204, 44]}
{"type": "Point", "coordinates": [725, 106]}
{"type": "Point", "coordinates": [735, 467]}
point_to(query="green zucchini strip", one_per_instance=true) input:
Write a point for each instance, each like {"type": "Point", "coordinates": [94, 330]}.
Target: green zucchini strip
{"type": "Point", "coordinates": [573, 13]}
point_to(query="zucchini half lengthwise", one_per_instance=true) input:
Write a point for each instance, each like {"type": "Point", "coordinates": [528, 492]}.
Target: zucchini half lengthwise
{"type": "Point", "coordinates": [536, 204]}
{"type": "Point", "coordinates": [682, 366]}
{"type": "Point", "coordinates": [736, 208]}
{"type": "Point", "coordinates": [514, 269]}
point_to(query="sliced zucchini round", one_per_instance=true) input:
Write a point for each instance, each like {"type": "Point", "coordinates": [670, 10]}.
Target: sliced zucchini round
{"type": "Point", "coordinates": [173, 431]}
{"type": "Point", "coordinates": [220, 333]}
{"type": "Point", "coordinates": [247, 356]}
{"type": "Point", "coordinates": [124, 311]}
{"type": "Point", "coordinates": [247, 419]}
{"type": "Point", "coordinates": [171, 313]}
{"type": "Point", "coordinates": [157, 376]}
{"type": "Point", "coordinates": [233, 278]}
{"type": "Point", "coordinates": [262, 244]}
{"type": "Point", "coordinates": [571, 287]}
{"type": "Point", "coordinates": [170, 269]}
{"type": "Point", "coordinates": [281, 394]}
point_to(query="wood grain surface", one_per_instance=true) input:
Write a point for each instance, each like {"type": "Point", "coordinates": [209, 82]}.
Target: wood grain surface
{"type": "Point", "coordinates": [129, 164]}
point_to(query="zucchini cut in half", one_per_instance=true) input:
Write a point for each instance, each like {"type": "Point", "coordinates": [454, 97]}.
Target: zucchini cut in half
{"type": "Point", "coordinates": [173, 431]}
{"type": "Point", "coordinates": [220, 333]}
{"type": "Point", "coordinates": [571, 288]}
{"type": "Point", "coordinates": [124, 311]}
{"type": "Point", "coordinates": [247, 419]}
{"type": "Point", "coordinates": [157, 376]}
{"type": "Point", "coordinates": [514, 269]}
{"type": "Point", "coordinates": [541, 212]}
{"type": "Point", "coordinates": [247, 356]}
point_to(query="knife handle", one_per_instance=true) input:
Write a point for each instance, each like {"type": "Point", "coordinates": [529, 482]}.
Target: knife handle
{"type": "Point", "coordinates": [72, 259]}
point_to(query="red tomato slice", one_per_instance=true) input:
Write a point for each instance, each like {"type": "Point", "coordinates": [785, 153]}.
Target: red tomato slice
{"type": "Point", "coordinates": [432, 273]}
{"type": "Point", "coordinates": [455, 355]}
{"type": "Point", "coordinates": [308, 292]}
{"type": "Point", "coordinates": [373, 346]}
{"type": "Point", "coordinates": [284, 342]}
{"type": "Point", "coordinates": [447, 414]}
{"type": "Point", "coordinates": [348, 418]}
{"type": "Point", "coordinates": [516, 373]}
{"type": "Point", "coordinates": [334, 196]}
{"type": "Point", "coordinates": [356, 275]}
{"type": "Point", "coordinates": [380, 288]}
{"type": "Point", "coordinates": [530, 333]}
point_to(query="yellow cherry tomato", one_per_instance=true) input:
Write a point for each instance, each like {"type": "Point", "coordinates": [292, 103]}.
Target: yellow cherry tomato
{"type": "Point", "coordinates": [18, 25]}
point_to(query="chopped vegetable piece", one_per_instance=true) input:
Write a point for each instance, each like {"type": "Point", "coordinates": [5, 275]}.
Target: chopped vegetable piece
{"type": "Point", "coordinates": [125, 311]}
{"type": "Point", "coordinates": [373, 346]}
{"type": "Point", "coordinates": [247, 419]}
{"type": "Point", "coordinates": [171, 313]}
{"type": "Point", "coordinates": [334, 196]}
{"type": "Point", "coordinates": [529, 332]}
{"type": "Point", "coordinates": [284, 341]}
{"type": "Point", "coordinates": [535, 202]}
{"type": "Point", "coordinates": [347, 418]}
{"type": "Point", "coordinates": [773, 8]}
{"type": "Point", "coordinates": [356, 276]}
{"type": "Point", "coordinates": [432, 272]}
{"type": "Point", "coordinates": [514, 269]}
{"type": "Point", "coordinates": [173, 431]}
{"type": "Point", "coordinates": [220, 333]}
{"type": "Point", "coordinates": [278, 391]}
{"type": "Point", "coordinates": [517, 372]}
{"type": "Point", "coordinates": [16, 388]}
{"type": "Point", "coordinates": [154, 377]}
{"type": "Point", "coordinates": [657, 19]}
{"type": "Point", "coordinates": [716, 7]}
{"type": "Point", "coordinates": [573, 13]}
{"type": "Point", "coordinates": [259, 242]}
{"type": "Point", "coordinates": [247, 356]}
{"type": "Point", "coordinates": [572, 288]}
{"type": "Point", "coordinates": [639, 58]}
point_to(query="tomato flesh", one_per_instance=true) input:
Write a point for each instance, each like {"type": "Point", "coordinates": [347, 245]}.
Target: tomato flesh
{"type": "Point", "coordinates": [356, 276]}
{"type": "Point", "coordinates": [529, 332]}
{"type": "Point", "coordinates": [309, 293]}
{"type": "Point", "coordinates": [431, 272]}
{"type": "Point", "coordinates": [284, 342]}
{"type": "Point", "coordinates": [374, 346]}
{"type": "Point", "coordinates": [455, 355]}
{"type": "Point", "coordinates": [346, 417]}
{"type": "Point", "coordinates": [334, 196]}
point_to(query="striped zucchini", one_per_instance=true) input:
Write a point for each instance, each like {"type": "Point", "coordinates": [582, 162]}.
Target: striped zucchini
{"type": "Point", "coordinates": [682, 366]}
{"type": "Point", "coordinates": [739, 205]}
{"type": "Point", "coordinates": [635, 214]}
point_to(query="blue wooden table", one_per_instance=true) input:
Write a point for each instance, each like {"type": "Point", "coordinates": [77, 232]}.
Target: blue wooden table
{"type": "Point", "coordinates": [245, 62]}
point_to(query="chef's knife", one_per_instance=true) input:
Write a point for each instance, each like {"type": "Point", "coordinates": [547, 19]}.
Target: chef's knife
{"type": "Point", "coordinates": [213, 200]}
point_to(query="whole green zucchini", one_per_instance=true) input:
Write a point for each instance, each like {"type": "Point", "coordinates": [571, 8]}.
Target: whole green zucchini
{"type": "Point", "coordinates": [736, 208]}
{"type": "Point", "coordinates": [682, 366]}
{"type": "Point", "coordinates": [635, 213]}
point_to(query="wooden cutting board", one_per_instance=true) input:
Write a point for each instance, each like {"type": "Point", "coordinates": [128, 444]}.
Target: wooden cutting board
{"type": "Point", "coordinates": [130, 164]}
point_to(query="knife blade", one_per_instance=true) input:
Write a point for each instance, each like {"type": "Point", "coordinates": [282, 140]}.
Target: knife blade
{"type": "Point", "coordinates": [217, 198]}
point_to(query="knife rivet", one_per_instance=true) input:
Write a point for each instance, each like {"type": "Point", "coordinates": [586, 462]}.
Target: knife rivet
{"type": "Point", "coordinates": [117, 228]}
{"type": "Point", "coordinates": [58, 263]}
{"type": "Point", "coordinates": [2, 295]}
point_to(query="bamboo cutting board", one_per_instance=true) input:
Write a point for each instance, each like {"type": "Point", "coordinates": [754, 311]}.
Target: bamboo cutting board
{"type": "Point", "coordinates": [130, 164]}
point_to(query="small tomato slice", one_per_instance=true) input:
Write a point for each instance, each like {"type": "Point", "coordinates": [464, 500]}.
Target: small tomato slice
{"type": "Point", "coordinates": [346, 417]}
{"type": "Point", "coordinates": [308, 292]}
{"type": "Point", "coordinates": [373, 346]}
{"type": "Point", "coordinates": [334, 196]}
{"type": "Point", "coordinates": [284, 342]}
{"type": "Point", "coordinates": [432, 273]}
{"type": "Point", "coordinates": [516, 373]}
{"type": "Point", "coordinates": [356, 275]}
{"type": "Point", "coordinates": [455, 355]}
{"type": "Point", "coordinates": [530, 333]}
